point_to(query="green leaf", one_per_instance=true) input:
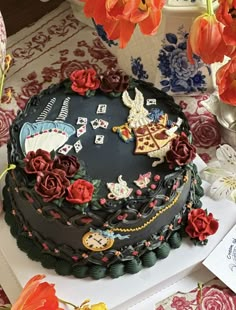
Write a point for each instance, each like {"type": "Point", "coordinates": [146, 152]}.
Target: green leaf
{"type": "Point", "coordinates": [90, 93]}
{"type": "Point", "coordinates": [113, 94]}
{"type": "Point", "coordinates": [80, 173]}
{"type": "Point", "coordinates": [53, 154]}
{"type": "Point", "coordinates": [96, 183]}
{"type": "Point", "coordinates": [58, 202]}
{"type": "Point", "coordinates": [21, 163]}
{"type": "Point", "coordinates": [80, 207]}
{"type": "Point", "coordinates": [95, 205]}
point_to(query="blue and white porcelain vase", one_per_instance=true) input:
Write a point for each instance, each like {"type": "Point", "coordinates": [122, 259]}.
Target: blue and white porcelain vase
{"type": "Point", "coordinates": [162, 58]}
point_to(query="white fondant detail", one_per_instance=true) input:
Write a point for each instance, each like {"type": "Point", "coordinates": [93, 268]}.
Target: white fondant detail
{"type": "Point", "coordinates": [160, 154]}
{"type": "Point", "coordinates": [47, 141]}
{"type": "Point", "coordinates": [82, 121]}
{"type": "Point", "coordinates": [99, 139]}
{"type": "Point", "coordinates": [103, 124]}
{"type": "Point", "coordinates": [143, 180]}
{"type": "Point", "coordinates": [119, 190]}
{"type": "Point", "coordinates": [173, 129]}
{"type": "Point", "coordinates": [151, 101]}
{"type": "Point", "coordinates": [101, 109]}
{"type": "Point", "coordinates": [80, 131]}
{"type": "Point", "coordinates": [95, 123]}
{"type": "Point", "coordinates": [138, 115]}
{"type": "Point", "coordinates": [78, 146]}
{"type": "Point", "coordinates": [65, 149]}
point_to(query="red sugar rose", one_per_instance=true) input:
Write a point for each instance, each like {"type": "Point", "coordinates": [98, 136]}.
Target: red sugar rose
{"type": "Point", "coordinates": [181, 152]}
{"type": "Point", "coordinates": [81, 191]}
{"type": "Point", "coordinates": [51, 184]}
{"type": "Point", "coordinates": [84, 80]}
{"type": "Point", "coordinates": [200, 225]}
{"type": "Point", "coordinates": [69, 164]}
{"type": "Point", "coordinates": [37, 161]}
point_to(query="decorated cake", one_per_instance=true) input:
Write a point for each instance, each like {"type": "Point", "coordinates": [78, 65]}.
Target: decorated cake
{"type": "Point", "coordinates": [101, 180]}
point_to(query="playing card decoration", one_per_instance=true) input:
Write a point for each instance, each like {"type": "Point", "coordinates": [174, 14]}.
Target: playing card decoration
{"type": "Point", "coordinates": [65, 149]}
{"type": "Point", "coordinates": [99, 139]}
{"type": "Point", "coordinates": [101, 109]}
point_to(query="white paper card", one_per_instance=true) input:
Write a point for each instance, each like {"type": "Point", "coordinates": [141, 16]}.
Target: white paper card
{"type": "Point", "coordinates": [222, 260]}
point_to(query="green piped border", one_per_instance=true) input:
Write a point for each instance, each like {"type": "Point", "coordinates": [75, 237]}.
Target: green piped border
{"type": "Point", "coordinates": [65, 268]}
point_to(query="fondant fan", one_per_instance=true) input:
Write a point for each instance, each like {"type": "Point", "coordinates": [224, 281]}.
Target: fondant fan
{"type": "Point", "coordinates": [46, 135]}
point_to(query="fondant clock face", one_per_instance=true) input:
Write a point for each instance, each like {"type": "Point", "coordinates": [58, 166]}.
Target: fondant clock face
{"type": "Point", "coordinates": [96, 242]}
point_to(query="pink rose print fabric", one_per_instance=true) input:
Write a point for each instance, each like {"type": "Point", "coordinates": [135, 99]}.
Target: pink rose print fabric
{"type": "Point", "coordinates": [213, 296]}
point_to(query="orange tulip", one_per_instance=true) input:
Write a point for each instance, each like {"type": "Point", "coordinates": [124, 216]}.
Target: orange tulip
{"type": "Point", "coordinates": [37, 295]}
{"type": "Point", "coordinates": [146, 13]}
{"type": "Point", "coordinates": [206, 39]}
{"type": "Point", "coordinates": [226, 14]}
{"type": "Point", "coordinates": [120, 17]}
{"type": "Point", "coordinates": [226, 82]}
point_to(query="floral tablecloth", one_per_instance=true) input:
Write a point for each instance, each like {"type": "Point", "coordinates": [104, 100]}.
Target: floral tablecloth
{"type": "Point", "coordinates": [48, 52]}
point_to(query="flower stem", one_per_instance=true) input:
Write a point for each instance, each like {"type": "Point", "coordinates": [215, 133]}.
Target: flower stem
{"type": "Point", "coordinates": [210, 10]}
{"type": "Point", "coordinates": [1, 84]}
{"type": "Point", "coordinates": [67, 303]}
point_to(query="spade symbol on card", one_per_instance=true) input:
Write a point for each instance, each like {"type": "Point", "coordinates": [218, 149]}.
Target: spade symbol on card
{"type": "Point", "coordinates": [95, 123]}
{"type": "Point", "coordinates": [82, 121]}
{"type": "Point", "coordinates": [99, 139]}
{"type": "Point", "coordinates": [65, 149]}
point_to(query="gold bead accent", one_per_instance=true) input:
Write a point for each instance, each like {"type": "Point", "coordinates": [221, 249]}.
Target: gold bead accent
{"type": "Point", "coordinates": [151, 219]}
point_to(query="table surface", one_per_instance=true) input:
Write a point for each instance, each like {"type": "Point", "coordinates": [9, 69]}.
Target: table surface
{"type": "Point", "coordinates": [16, 269]}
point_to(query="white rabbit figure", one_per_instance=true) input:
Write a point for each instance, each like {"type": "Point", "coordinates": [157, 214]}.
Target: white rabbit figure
{"type": "Point", "coordinates": [138, 115]}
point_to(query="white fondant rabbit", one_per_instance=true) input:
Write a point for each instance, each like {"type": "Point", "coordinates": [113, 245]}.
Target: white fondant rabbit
{"type": "Point", "coordinates": [138, 115]}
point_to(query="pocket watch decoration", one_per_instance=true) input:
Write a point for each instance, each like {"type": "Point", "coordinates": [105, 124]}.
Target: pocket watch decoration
{"type": "Point", "coordinates": [100, 240]}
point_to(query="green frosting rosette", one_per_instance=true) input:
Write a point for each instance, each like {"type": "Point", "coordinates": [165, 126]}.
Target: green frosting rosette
{"type": "Point", "coordinates": [149, 259]}
{"type": "Point", "coordinates": [163, 251]}
{"type": "Point", "coordinates": [133, 266]}
{"type": "Point", "coordinates": [97, 272]}
{"type": "Point", "coordinates": [175, 240]}
{"type": "Point", "coordinates": [80, 271]}
{"type": "Point", "coordinates": [117, 270]}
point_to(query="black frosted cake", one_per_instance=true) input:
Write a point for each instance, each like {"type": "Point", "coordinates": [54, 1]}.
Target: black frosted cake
{"type": "Point", "coordinates": [104, 180]}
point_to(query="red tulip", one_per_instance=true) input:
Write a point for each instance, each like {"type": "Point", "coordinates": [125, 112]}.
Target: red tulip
{"type": "Point", "coordinates": [226, 82]}
{"type": "Point", "coordinates": [226, 14]}
{"type": "Point", "coordinates": [37, 295]}
{"type": "Point", "coordinates": [205, 39]}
